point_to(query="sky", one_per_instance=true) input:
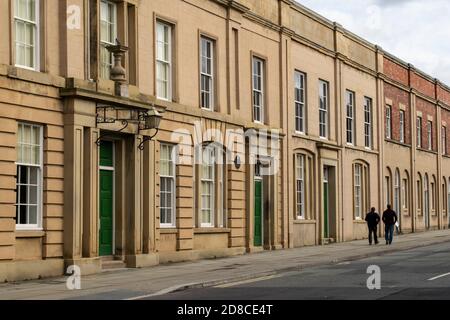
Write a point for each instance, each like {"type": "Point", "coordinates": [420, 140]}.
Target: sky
{"type": "Point", "coordinates": [416, 31]}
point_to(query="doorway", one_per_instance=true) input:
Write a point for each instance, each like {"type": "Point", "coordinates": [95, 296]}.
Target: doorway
{"type": "Point", "coordinates": [329, 221]}
{"type": "Point", "coordinates": [106, 198]}
{"type": "Point", "coordinates": [258, 219]}
{"type": "Point", "coordinates": [326, 203]}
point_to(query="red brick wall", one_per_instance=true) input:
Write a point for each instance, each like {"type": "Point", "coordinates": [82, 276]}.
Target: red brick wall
{"type": "Point", "coordinates": [422, 85]}
{"type": "Point", "coordinates": [443, 95]}
{"type": "Point", "coordinates": [398, 96]}
{"type": "Point", "coordinates": [427, 109]}
{"type": "Point", "coordinates": [395, 71]}
{"type": "Point", "coordinates": [445, 115]}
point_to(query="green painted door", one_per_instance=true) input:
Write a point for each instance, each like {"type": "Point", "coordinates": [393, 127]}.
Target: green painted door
{"type": "Point", "coordinates": [258, 214]}
{"type": "Point", "coordinates": [106, 198]}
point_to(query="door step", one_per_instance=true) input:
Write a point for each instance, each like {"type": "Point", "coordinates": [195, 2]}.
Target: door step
{"type": "Point", "coordinates": [112, 262]}
{"type": "Point", "coordinates": [326, 241]}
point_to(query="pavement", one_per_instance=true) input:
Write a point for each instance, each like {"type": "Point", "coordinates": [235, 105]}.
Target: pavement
{"type": "Point", "coordinates": [152, 282]}
{"type": "Point", "coordinates": [415, 274]}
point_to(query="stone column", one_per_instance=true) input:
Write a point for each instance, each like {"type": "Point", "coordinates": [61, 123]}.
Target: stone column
{"type": "Point", "coordinates": [90, 193]}
{"type": "Point", "coordinates": [134, 202]}
{"type": "Point", "coordinates": [149, 197]}
{"type": "Point", "coordinates": [79, 118]}
{"type": "Point", "coordinates": [73, 192]}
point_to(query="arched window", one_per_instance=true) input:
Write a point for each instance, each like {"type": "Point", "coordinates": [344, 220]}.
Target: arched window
{"type": "Point", "coordinates": [419, 194]}
{"type": "Point", "coordinates": [397, 192]}
{"type": "Point", "coordinates": [387, 187]}
{"type": "Point", "coordinates": [360, 189]}
{"type": "Point", "coordinates": [426, 199]}
{"type": "Point", "coordinates": [405, 193]}
{"type": "Point", "coordinates": [433, 189]}
{"type": "Point", "coordinates": [303, 184]}
{"type": "Point", "coordinates": [211, 186]}
{"type": "Point", "coordinates": [444, 198]}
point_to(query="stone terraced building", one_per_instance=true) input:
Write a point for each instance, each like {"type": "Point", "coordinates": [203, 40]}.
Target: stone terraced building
{"type": "Point", "coordinates": [137, 132]}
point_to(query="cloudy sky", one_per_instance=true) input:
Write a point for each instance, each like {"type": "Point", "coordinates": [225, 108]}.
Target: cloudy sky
{"type": "Point", "coordinates": [416, 31]}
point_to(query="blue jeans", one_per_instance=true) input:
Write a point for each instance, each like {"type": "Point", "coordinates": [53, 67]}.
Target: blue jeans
{"type": "Point", "coordinates": [389, 233]}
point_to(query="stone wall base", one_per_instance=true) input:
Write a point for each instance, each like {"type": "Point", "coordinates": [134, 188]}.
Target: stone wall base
{"type": "Point", "coordinates": [142, 260]}
{"type": "Point", "coordinates": [87, 265]}
{"type": "Point", "coordinates": [27, 270]}
{"type": "Point", "coordinates": [180, 256]}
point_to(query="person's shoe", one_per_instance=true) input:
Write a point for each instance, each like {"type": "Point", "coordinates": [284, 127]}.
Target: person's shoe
{"type": "Point", "coordinates": [376, 242]}
{"type": "Point", "coordinates": [387, 242]}
{"type": "Point", "coordinates": [370, 243]}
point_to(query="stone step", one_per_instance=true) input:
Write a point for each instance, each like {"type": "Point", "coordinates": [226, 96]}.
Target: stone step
{"type": "Point", "coordinates": [113, 264]}
{"type": "Point", "coordinates": [326, 241]}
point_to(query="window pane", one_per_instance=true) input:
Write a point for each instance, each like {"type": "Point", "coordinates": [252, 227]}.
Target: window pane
{"type": "Point", "coordinates": [32, 215]}
{"type": "Point", "coordinates": [22, 215]}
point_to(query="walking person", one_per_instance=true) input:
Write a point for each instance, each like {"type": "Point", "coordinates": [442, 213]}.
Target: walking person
{"type": "Point", "coordinates": [389, 219]}
{"type": "Point", "coordinates": [372, 219]}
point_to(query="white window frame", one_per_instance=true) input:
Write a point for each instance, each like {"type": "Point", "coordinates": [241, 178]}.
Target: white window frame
{"type": "Point", "coordinates": [300, 174]}
{"type": "Point", "coordinates": [405, 193]}
{"type": "Point", "coordinates": [323, 109]}
{"type": "Point", "coordinates": [444, 139]}
{"type": "Point", "coordinates": [210, 77]}
{"type": "Point", "coordinates": [258, 110]}
{"type": "Point", "coordinates": [430, 134]}
{"type": "Point", "coordinates": [402, 126]}
{"type": "Point", "coordinates": [426, 196]}
{"type": "Point", "coordinates": [419, 131]}
{"type": "Point", "coordinates": [388, 115]}
{"type": "Point", "coordinates": [161, 61]}
{"type": "Point", "coordinates": [212, 184]}
{"type": "Point", "coordinates": [368, 122]}
{"type": "Point", "coordinates": [350, 117]}
{"type": "Point", "coordinates": [300, 101]}
{"type": "Point", "coordinates": [36, 27]}
{"type": "Point", "coordinates": [397, 186]}
{"type": "Point", "coordinates": [172, 177]}
{"type": "Point", "coordinates": [103, 43]}
{"type": "Point", "coordinates": [39, 187]}
{"type": "Point", "coordinates": [357, 191]}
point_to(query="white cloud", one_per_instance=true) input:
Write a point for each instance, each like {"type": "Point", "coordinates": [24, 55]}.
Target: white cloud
{"type": "Point", "coordinates": [416, 31]}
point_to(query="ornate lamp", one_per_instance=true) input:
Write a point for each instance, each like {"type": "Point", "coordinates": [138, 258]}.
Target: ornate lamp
{"type": "Point", "coordinates": [152, 120]}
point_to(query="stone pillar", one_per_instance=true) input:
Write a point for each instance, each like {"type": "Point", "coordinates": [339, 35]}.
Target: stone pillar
{"type": "Point", "coordinates": [134, 206]}
{"type": "Point", "coordinates": [413, 177]}
{"type": "Point", "coordinates": [90, 193]}
{"type": "Point", "coordinates": [149, 197]}
{"type": "Point", "coordinates": [439, 194]}
{"type": "Point", "coordinates": [73, 192]}
{"type": "Point", "coordinates": [77, 151]}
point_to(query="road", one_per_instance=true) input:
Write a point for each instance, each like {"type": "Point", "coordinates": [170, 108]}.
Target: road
{"type": "Point", "coordinates": [422, 273]}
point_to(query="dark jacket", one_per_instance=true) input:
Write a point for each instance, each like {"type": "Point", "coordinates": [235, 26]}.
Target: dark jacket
{"type": "Point", "coordinates": [389, 217]}
{"type": "Point", "coordinates": [372, 219]}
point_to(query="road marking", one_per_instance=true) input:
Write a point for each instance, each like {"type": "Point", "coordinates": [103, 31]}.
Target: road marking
{"type": "Point", "coordinates": [159, 293]}
{"type": "Point", "coordinates": [441, 276]}
{"type": "Point", "coordinates": [233, 284]}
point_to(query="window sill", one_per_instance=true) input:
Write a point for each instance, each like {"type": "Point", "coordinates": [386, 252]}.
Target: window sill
{"type": "Point", "coordinates": [361, 221]}
{"type": "Point", "coordinates": [30, 234]}
{"type": "Point", "coordinates": [304, 221]}
{"type": "Point", "coordinates": [211, 230]}
{"type": "Point", "coordinates": [168, 230]}
{"type": "Point", "coordinates": [31, 75]}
